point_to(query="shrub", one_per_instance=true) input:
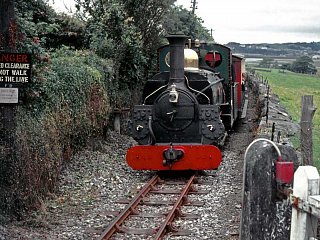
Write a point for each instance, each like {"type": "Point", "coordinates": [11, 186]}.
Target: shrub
{"type": "Point", "coordinates": [66, 105]}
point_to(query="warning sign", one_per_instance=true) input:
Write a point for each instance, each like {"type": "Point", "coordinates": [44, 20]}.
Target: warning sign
{"type": "Point", "coordinates": [15, 68]}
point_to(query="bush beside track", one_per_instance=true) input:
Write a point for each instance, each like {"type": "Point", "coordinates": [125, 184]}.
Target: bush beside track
{"type": "Point", "coordinates": [66, 104]}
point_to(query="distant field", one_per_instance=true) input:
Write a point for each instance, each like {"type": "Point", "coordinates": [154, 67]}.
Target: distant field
{"type": "Point", "coordinates": [254, 62]}
{"type": "Point", "coordinates": [290, 87]}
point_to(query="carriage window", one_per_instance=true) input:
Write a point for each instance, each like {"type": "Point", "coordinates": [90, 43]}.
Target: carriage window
{"type": "Point", "coordinates": [213, 59]}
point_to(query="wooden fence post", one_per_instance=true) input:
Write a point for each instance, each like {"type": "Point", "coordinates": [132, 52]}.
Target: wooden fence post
{"type": "Point", "coordinates": [307, 113]}
{"type": "Point", "coordinates": [306, 183]}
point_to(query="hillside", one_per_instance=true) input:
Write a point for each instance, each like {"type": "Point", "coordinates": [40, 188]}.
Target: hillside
{"type": "Point", "coordinates": [277, 49]}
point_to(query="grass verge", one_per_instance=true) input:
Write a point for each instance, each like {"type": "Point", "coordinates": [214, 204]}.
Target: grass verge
{"type": "Point", "coordinates": [290, 87]}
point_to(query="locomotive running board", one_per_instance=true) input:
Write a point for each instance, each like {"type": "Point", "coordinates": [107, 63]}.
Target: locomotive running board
{"type": "Point", "coordinates": [195, 157]}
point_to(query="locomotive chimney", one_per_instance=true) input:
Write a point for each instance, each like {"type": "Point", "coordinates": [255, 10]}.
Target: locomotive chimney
{"type": "Point", "coordinates": [177, 42]}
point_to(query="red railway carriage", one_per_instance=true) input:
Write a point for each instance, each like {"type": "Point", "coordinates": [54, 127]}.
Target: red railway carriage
{"type": "Point", "coordinates": [239, 69]}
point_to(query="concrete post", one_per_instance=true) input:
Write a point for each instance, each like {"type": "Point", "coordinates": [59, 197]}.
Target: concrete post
{"type": "Point", "coordinates": [306, 183]}
{"type": "Point", "coordinates": [263, 217]}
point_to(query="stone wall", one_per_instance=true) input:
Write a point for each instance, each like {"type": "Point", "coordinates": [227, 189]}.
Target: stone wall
{"type": "Point", "coordinates": [272, 113]}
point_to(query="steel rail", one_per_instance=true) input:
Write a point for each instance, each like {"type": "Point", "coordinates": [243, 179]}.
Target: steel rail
{"type": "Point", "coordinates": [167, 224]}
{"type": "Point", "coordinates": [114, 226]}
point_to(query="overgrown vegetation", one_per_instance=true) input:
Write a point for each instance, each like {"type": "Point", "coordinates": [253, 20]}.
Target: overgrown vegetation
{"type": "Point", "coordinates": [69, 106]}
{"type": "Point", "coordinates": [290, 87]}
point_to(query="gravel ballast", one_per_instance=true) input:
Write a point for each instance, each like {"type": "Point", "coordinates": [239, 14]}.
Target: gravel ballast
{"type": "Point", "coordinates": [97, 177]}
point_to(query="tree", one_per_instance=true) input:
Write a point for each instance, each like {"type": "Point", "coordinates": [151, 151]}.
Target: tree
{"type": "Point", "coordinates": [148, 16]}
{"type": "Point", "coordinates": [8, 26]}
{"type": "Point", "coordinates": [304, 64]}
{"type": "Point", "coordinates": [127, 31]}
{"type": "Point", "coordinates": [266, 63]}
{"type": "Point", "coordinates": [286, 66]}
{"type": "Point", "coordinates": [181, 20]}
{"type": "Point", "coordinates": [40, 26]}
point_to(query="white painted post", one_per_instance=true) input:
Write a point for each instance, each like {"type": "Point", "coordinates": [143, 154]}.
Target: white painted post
{"type": "Point", "coordinates": [306, 183]}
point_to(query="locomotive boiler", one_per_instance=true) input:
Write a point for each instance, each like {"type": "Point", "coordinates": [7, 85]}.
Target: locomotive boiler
{"type": "Point", "coordinates": [179, 123]}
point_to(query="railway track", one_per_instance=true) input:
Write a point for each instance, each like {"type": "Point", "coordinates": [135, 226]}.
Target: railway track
{"type": "Point", "coordinates": [168, 195]}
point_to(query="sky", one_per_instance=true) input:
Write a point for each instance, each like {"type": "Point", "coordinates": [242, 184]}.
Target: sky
{"type": "Point", "coordinates": [253, 21]}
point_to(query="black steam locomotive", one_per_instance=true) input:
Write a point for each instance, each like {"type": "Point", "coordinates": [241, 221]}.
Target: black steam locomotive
{"type": "Point", "coordinates": [187, 107]}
